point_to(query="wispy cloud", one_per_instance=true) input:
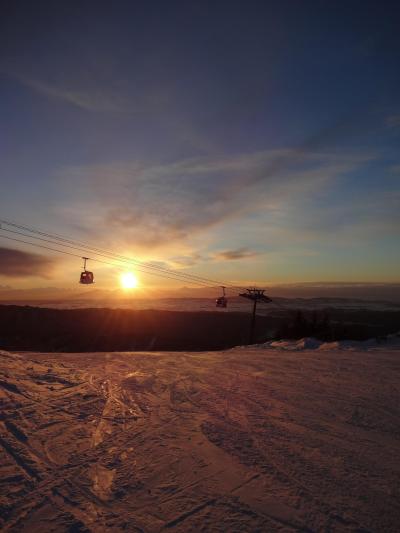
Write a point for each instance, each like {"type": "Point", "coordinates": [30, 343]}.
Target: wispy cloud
{"type": "Point", "coordinates": [93, 91]}
{"type": "Point", "coordinates": [240, 253]}
{"type": "Point", "coordinates": [154, 205]}
{"type": "Point", "coordinates": [89, 100]}
{"type": "Point", "coordinates": [188, 260]}
{"type": "Point", "coordinates": [354, 220]}
{"type": "Point", "coordinates": [19, 264]}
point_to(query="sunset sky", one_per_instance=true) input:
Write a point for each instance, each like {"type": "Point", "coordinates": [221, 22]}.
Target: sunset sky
{"type": "Point", "coordinates": [255, 142]}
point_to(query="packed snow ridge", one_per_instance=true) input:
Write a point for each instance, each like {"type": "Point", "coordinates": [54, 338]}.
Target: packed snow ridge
{"type": "Point", "coordinates": [310, 343]}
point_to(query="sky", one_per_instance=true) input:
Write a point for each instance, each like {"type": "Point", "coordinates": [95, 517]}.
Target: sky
{"type": "Point", "coordinates": [255, 142]}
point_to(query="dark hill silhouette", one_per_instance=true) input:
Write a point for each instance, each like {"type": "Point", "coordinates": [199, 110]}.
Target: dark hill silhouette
{"type": "Point", "coordinates": [100, 329]}
{"type": "Point", "coordinates": [33, 328]}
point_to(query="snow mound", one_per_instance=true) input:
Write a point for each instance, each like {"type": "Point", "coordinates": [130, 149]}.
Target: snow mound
{"type": "Point", "coordinates": [8, 355]}
{"type": "Point", "coordinates": [310, 343]}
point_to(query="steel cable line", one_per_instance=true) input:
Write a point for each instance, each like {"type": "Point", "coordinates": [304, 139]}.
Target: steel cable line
{"type": "Point", "coordinates": [105, 253]}
{"type": "Point", "coordinates": [140, 268]}
{"type": "Point", "coordinates": [116, 256]}
{"type": "Point", "coordinates": [118, 267]}
{"type": "Point", "coordinates": [114, 265]}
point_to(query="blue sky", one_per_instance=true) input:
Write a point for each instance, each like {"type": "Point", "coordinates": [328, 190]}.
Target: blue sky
{"type": "Point", "coordinates": [253, 141]}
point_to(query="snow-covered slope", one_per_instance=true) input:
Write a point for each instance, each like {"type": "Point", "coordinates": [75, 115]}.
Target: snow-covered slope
{"type": "Point", "coordinates": [251, 439]}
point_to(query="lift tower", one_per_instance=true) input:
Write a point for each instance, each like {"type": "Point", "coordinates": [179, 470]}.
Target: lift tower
{"type": "Point", "coordinates": [255, 295]}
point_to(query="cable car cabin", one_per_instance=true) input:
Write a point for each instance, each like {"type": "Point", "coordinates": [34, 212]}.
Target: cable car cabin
{"type": "Point", "coordinates": [86, 277]}
{"type": "Point", "coordinates": [221, 301]}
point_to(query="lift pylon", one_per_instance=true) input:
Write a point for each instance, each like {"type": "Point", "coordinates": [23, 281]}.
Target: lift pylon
{"type": "Point", "coordinates": [255, 295]}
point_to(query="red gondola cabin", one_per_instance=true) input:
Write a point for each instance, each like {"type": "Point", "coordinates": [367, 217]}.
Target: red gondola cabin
{"type": "Point", "coordinates": [86, 277]}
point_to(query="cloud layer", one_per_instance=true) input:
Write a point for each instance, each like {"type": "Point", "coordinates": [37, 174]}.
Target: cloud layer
{"type": "Point", "coordinates": [151, 205]}
{"type": "Point", "coordinates": [19, 264]}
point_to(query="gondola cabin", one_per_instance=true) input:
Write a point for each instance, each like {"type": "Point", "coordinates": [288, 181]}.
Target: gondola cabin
{"type": "Point", "coordinates": [222, 301]}
{"type": "Point", "coordinates": [86, 277]}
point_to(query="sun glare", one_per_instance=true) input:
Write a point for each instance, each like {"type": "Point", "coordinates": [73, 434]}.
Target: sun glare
{"type": "Point", "coordinates": [128, 280]}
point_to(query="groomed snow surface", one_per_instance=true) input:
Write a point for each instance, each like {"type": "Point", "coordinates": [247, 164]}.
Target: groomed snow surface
{"type": "Point", "coordinates": [288, 436]}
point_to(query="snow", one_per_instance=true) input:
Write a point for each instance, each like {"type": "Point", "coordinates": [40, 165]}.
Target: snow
{"type": "Point", "coordinates": [286, 436]}
{"type": "Point", "coordinates": [310, 343]}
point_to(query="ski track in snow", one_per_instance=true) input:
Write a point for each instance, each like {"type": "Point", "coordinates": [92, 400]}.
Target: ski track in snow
{"type": "Point", "coordinates": [287, 436]}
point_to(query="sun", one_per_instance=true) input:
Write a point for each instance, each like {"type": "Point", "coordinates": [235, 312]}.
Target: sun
{"type": "Point", "coordinates": [128, 281]}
